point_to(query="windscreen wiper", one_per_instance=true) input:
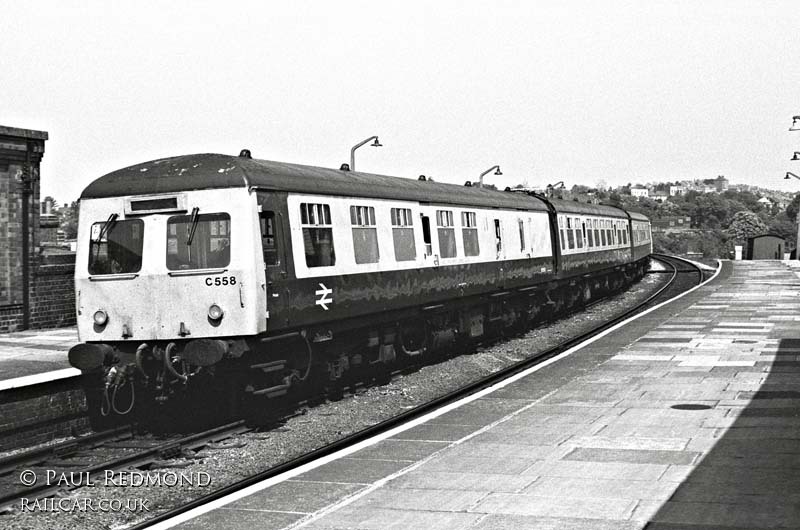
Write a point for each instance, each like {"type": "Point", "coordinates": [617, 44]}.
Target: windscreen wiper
{"type": "Point", "coordinates": [192, 228]}
{"type": "Point", "coordinates": [107, 226]}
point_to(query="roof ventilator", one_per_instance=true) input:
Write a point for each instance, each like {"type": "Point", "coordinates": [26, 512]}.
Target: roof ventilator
{"type": "Point", "coordinates": [245, 153]}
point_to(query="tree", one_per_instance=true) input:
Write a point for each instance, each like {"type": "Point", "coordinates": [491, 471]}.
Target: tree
{"type": "Point", "coordinates": [745, 224]}
{"type": "Point", "coordinates": [782, 226]}
{"type": "Point", "coordinates": [711, 211]}
{"type": "Point", "coordinates": [53, 202]}
{"type": "Point", "coordinates": [794, 206]}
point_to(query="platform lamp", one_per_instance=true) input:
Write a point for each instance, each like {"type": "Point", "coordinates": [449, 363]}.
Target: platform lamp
{"type": "Point", "coordinates": [375, 143]}
{"type": "Point", "coordinates": [795, 127]}
{"type": "Point", "coordinates": [797, 243]}
{"type": "Point", "coordinates": [552, 187]}
{"type": "Point", "coordinates": [496, 170]}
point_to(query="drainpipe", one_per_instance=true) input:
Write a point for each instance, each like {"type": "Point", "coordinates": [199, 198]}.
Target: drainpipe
{"type": "Point", "coordinates": [27, 191]}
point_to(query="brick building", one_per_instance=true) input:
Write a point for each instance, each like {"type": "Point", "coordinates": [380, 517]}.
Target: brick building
{"type": "Point", "coordinates": [35, 290]}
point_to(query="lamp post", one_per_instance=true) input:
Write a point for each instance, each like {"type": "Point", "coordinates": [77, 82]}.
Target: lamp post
{"type": "Point", "coordinates": [795, 127]}
{"type": "Point", "coordinates": [797, 243]}
{"type": "Point", "coordinates": [496, 170]}
{"type": "Point", "coordinates": [551, 187]}
{"type": "Point", "coordinates": [375, 143]}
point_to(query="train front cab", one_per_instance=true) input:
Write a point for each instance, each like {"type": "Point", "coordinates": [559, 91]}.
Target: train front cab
{"type": "Point", "coordinates": [167, 278]}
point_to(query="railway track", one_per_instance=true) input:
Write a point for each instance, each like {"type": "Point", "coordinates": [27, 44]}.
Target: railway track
{"type": "Point", "coordinates": [120, 448]}
{"type": "Point", "coordinates": [683, 274]}
{"type": "Point", "coordinates": [81, 459]}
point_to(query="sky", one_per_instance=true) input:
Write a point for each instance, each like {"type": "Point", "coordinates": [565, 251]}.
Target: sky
{"type": "Point", "coordinates": [582, 92]}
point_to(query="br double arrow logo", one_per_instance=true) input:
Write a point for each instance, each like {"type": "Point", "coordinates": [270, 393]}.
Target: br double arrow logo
{"type": "Point", "coordinates": [323, 294]}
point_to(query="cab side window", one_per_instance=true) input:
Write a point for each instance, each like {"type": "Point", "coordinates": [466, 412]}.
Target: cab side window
{"type": "Point", "coordinates": [269, 239]}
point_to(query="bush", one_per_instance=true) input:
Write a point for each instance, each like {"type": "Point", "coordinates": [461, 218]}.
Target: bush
{"type": "Point", "coordinates": [711, 243]}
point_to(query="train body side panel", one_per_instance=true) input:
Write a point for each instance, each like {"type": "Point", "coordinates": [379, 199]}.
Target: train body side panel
{"type": "Point", "coordinates": [588, 262]}
{"type": "Point", "coordinates": [327, 299]}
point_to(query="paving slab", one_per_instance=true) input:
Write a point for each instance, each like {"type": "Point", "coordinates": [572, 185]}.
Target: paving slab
{"type": "Point", "coordinates": [350, 517]}
{"type": "Point", "coordinates": [583, 507]}
{"type": "Point", "coordinates": [296, 496]}
{"type": "Point", "coordinates": [566, 487]}
{"type": "Point", "coordinates": [688, 418]}
{"type": "Point", "coordinates": [521, 522]}
{"type": "Point", "coordinates": [439, 500]}
{"type": "Point", "coordinates": [232, 519]}
{"type": "Point", "coordinates": [482, 482]}
{"type": "Point", "coordinates": [633, 456]}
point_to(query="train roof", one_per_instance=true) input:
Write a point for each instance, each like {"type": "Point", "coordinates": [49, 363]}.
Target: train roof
{"type": "Point", "coordinates": [639, 216]}
{"type": "Point", "coordinates": [583, 208]}
{"type": "Point", "coordinates": [212, 171]}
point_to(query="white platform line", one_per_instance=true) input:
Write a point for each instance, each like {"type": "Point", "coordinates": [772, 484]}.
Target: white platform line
{"type": "Point", "coordinates": [28, 380]}
{"type": "Point", "coordinates": [218, 503]}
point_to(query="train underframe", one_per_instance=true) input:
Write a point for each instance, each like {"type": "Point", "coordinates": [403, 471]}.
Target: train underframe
{"type": "Point", "coordinates": [220, 378]}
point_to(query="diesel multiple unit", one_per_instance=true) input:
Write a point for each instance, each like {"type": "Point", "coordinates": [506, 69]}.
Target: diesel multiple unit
{"type": "Point", "coordinates": [211, 271]}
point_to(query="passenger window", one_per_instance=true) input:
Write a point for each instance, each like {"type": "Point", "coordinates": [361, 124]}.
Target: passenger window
{"type": "Point", "coordinates": [269, 239]}
{"type": "Point", "coordinates": [447, 233]}
{"type": "Point", "coordinates": [198, 241]}
{"type": "Point", "coordinates": [469, 232]}
{"type": "Point", "coordinates": [315, 220]}
{"type": "Point", "coordinates": [561, 230]}
{"type": "Point", "coordinates": [589, 238]}
{"type": "Point", "coordinates": [365, 234]}
{"type": "Point", "coordinates": [403, 234]}
{"type": "Point", "coordinates": [578, 233]}
{"type": "Point", "coordinates": [521, 235]}
{"type": "Point", "coordinates": [570, 234]}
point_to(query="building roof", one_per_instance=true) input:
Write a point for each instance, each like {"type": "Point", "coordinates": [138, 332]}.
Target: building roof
{"type": "Point", "coordinates": [23, 133]}
{"type": "Point", "coordinates": [765, 235]}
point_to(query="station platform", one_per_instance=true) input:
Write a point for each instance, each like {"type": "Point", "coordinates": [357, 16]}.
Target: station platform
{"type": "Point", "coordinates": [37, 355]}
{"type": "Point", "coordinates": [685, 418]}
{"type": "Point", "coordinates": [34, 356]}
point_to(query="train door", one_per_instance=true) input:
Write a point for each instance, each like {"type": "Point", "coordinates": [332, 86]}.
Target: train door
{"type": "Point", "coordinates": [501, 252]}
{"type": "Point", "coordinates": [426, 235]}
{"type": "Point", "coordinates": [274, 237]}
{"type": "Point", "coordinates": [498, 238]}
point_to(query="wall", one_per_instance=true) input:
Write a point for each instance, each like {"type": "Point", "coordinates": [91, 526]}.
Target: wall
{"type": "Point", "coordinates": [36, 414]}
{"type": "Point", "coordinates": [21, 151]}
{"type": "Point", "coordinates": [51, 284]}
{"type": "Point", "coordinates": [53, 293]}
{"type": "Point", "coordinates": [766, 247]}
{"type": "Point", "coordinates": [52, 296]}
